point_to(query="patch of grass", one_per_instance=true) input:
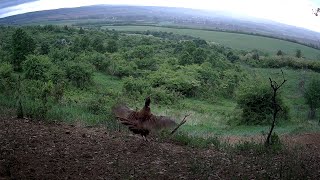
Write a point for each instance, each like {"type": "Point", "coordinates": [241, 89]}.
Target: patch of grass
{"type": "Point", "coordinates": [7, 101]}
{"type": "Point", "coordinates": [260, 147]}
{"type": "Point", "coordinates": [5, 111]}
{"type": "Point", "coordinates": [103, 82]}
{"type": "Point", "coordinates": [198, 142]}
{"type": "Point", "coordinates": [72, 113]}
{"type": "Point", "coordinates": [232, 40]}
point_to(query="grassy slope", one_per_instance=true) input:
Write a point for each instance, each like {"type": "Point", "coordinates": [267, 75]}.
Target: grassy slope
{"type": "Point", "coordinates": [209, 119]}
{"type": "Point", "coordinates": [234, 40]}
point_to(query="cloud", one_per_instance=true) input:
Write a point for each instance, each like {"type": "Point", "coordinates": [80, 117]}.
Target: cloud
{"type": "Point", "coordinates": [297, 13]}
{"type": "Point", "coordinates": [9, 3]}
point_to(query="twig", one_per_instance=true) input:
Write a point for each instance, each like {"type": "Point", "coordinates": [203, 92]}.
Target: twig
{"type": "Point", "coordinates": [184, 120]}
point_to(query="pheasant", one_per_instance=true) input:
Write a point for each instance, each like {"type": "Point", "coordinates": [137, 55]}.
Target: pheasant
{"type": "Point", "coordinates": [143, 121]}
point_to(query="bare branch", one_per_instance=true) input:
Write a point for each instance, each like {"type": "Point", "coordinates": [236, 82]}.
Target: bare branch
{"type": "Point", "coordinates": [276, 106]}
{"type": "Point", "coordinates": [184, 120]}
{"type": "Point", "coordinates": [275, 85]}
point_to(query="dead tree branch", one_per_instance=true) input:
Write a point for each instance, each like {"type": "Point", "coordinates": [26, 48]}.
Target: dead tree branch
{"type": "Point", "coordinates": [276, 107]}
{"type": "Point", "coordinates": [184, 120]}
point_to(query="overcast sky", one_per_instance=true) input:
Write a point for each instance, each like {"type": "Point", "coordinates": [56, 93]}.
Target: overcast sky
{"type": "Point", "coordinates": [292, 12]}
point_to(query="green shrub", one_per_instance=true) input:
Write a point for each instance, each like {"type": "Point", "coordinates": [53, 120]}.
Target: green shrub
{"type": "Point", "coordinates": [112, 46]}
{"type": "Point", "coordinates": [184, 80]}
{"type": "Point", "coordinates": [7, 80]}
{"type": "Point", "coordinates": [99, 61]}
{"type": "Point", "coordinates": [284, 61]}
{"type": "Point", "coordinates": [146, 63]}
{"type": "Point", "coordinates": [255, 100]}
{"type": "Point", "coordinates": [36, 98]}
{"type": "Point", "coordinates": [312, 97]}
{"type": "Point", "coordinates": [141, 52]}
{"type": "Point", "coordinates": [23, 44]}
{"type": "Point", "coordinates": [136, 86]}
{"type": "Point", "coordinates": [6, 70]}
{"type": "Point", "coordinates": [97, 105]}
{"type": "Point", "coordinates": [160, 95]}
{"type": "Point", "coordinates": [79, 74]}
{"type": "Point", "coordinates": [119, 67]}
{"type": "Point", "coordinates": [60, 56]}
{"type": "Point", "coordinates": [57, 75]}
{"type": "Point", "coordinates": [37, 67]}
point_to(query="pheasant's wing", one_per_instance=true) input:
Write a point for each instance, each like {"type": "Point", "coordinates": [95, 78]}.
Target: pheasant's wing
{"type": "Point", "coordinates": [122, 111]}
{"type": "Point", "coordinates": [134, 126]}
{"type": "Point", "coordinates": [127, 117]}
{"type": "Point", "coordinates": [159, 122]}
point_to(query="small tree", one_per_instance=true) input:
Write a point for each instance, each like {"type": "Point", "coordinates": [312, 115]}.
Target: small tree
{"type": "Point", "coordinates": [312, 96]}
{"type": "Point", "coordinates": [23, 45]}
{"type": "Point", "coordinates": [44, 48]}
{"type": "Point", "coordinates": [298, 53]}
{"type": "Point", "coordinates": [255, 100]}
{"type": "Point", "coordinates": [79, 74]}
{"type": "Point", "coordinates": [112, 46]}
{"type": "Point", "coordinates": [255, 56]}
{"type": "Point", "coordinates": [81, 31]}
{"type": "Point", "coordinates": [279, 53]}
{"type": "Point", "coordinates": [37, 67]}
{"type": "Point", "coordinates": [97, 45]}
{"type": "Point", "coordinates": [276, 107]}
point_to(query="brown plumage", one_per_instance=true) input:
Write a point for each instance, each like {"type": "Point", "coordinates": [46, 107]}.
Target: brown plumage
{"type": "Point", "coordinates": [143, 121]}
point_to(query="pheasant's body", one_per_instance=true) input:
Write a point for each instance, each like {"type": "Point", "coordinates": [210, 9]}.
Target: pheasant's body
{"type": "Point", "coordinates": [143, 121]}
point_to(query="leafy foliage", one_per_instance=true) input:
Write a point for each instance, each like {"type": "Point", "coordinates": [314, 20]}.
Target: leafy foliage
{"type": "Point", "coordinates": [312, 97]}
{"type": "Point", "coordinates": [255, 100]}
{"type": "Point", "coordinates": [68, 62]}
{"type": "Point", "coordinates": [23, 45]}
{"type": "Point", "coordinates": [79, 74]}
{"type": "Point", "coordinates": [37, 67]}
{"type": "Point", "coordinates": [298, 53]}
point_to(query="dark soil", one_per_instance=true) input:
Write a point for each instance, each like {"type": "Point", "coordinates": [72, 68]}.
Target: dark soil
{"type": "Point", "coordinates": [38, 150]}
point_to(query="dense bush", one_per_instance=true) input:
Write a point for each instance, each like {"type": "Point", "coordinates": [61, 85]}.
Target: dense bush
{"type": "Point", "coordinates": [61, 56]}
{"type": "Point", "coordinates": [6, 70]}
{"type": "Point", "coordinates": [136, 86]}
{"type": "Point", "coordinates": [255, 101]}
{"type": "Point", "coordinates": [36, 98]}
{"type": "Point", "coordinates": [7, 81]}
{"type": "Point", "coordinates": [37, 67]}
{"type": "Point", "coordinates": [183, 80]}
{"type": "Point", "coordinates": [118, 66]}
{"type": "Point", "coordinates": [22, 44]}
{"type": "Point", "coordinates": [312, 97]}
{"type": "Point", "coordinates": [79, 74]}
{"type": "Point", "coordinates": [160, 95]}
{"type": "Point", "coordinates": [284, 61]}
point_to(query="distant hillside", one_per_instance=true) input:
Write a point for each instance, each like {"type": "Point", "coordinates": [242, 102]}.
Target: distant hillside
{"type": "Point", "coordinates": [165, 16]}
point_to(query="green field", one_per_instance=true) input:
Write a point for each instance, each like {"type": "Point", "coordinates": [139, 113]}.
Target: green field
{"type": "Point", "coordinates": [233, 40]}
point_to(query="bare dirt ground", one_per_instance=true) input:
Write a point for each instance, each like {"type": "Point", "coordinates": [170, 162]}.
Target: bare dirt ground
{"type": "Point", "coordinates": [38, 150]}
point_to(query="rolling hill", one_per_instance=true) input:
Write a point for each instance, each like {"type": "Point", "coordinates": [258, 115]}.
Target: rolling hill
{"type": "Point", "coordinates": [164, 16]}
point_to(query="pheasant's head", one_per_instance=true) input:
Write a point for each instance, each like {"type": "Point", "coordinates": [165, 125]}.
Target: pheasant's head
{"type": "Point", "coordinates": [148, 101]}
